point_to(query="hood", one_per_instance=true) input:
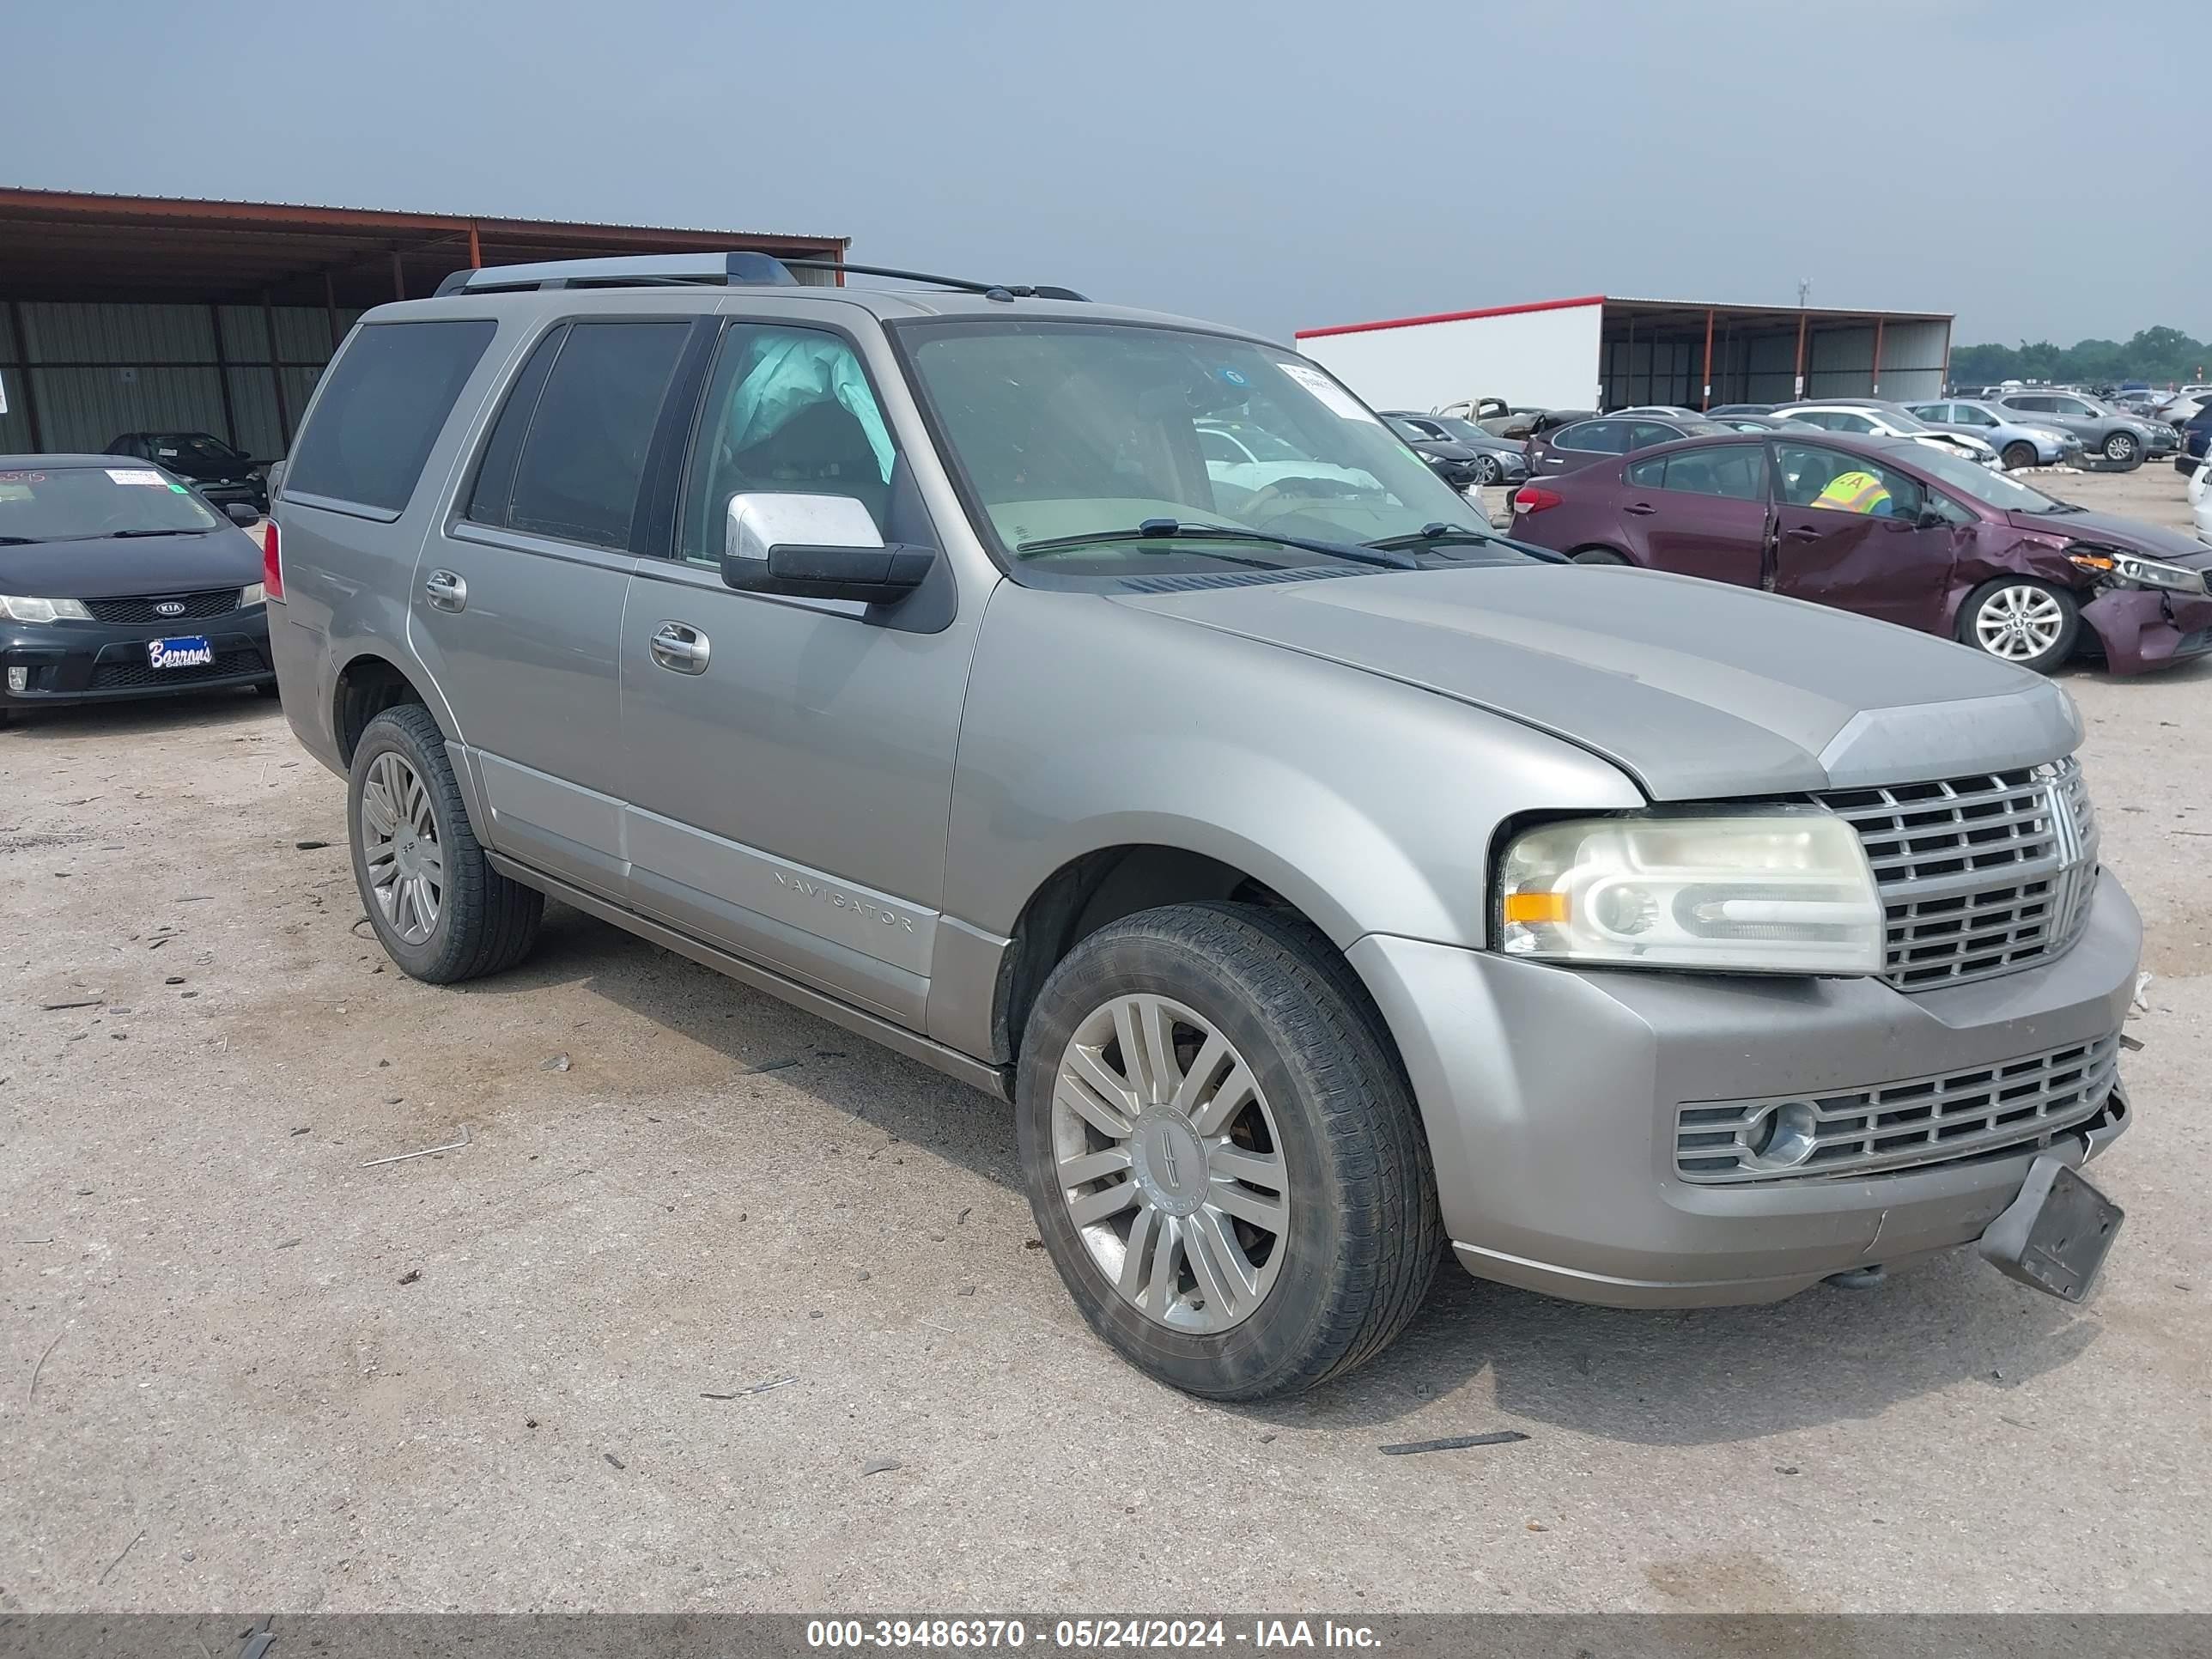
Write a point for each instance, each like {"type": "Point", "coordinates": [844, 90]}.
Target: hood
{"type": "Point", "coordinates": [2152, 541]}
{"type": "Point", "coordinates": [104, 568]}
{"type": "Point", "coordinates": [1695, 690]}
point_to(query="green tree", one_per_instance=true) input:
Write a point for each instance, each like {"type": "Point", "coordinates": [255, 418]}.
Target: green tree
{"type": "Point", "coordinates": [2161, 355]}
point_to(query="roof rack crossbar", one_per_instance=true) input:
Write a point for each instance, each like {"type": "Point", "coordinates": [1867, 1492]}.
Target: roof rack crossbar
{"type": "Point", "coordinates": [958, 284]}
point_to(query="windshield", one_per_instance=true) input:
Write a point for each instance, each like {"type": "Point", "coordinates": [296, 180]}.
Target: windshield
{"type": "Point", "coordinates": [1466, 431]}
{"type": "Point", "coordinates": [77, 503]}
{"type": "Point", "coordinates": [1979, 482]}
{"type": "Point", "coordinates": [191, 446]}
{"type": "Point", "coordinates": [1075, 430]}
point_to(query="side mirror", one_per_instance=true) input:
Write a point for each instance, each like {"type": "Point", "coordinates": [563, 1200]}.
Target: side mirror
{"type": "Point", "coordinates": [1930, 519]}
{"type": "Point", "coordinates": [241, 515]}
{"type": "Point", "coordinates": [816, 547]}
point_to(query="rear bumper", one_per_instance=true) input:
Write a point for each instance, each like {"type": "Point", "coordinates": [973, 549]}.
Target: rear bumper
{"type": "Point", "coordinates": [65, 664]}
{"type": "Point", "coordinates": [1550, 1099]}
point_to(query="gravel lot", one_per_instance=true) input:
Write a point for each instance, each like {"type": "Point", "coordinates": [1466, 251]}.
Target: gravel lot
{"type": "Point", "coordinates": [238, 1369]}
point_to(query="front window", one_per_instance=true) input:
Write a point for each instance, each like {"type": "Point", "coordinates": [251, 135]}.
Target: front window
{"type": "Point", "coordinates": [1983, 484]}
{"type": "Point", "coordinates": [83, 503]}
{"type": "Point", "coordinates": [1077, 435]}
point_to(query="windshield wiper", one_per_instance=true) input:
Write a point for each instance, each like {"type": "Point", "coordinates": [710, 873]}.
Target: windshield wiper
{"type": "Point", "coordinates": [18, 541]}
{"type": "Point", "coordinates": [1433, 535]}
{"type": "Point", "coordinates": [1172, 529]}
{"type": "Point", "coordinates": [125, 535]}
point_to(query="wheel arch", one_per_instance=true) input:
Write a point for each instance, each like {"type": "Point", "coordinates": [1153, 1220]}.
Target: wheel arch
{"type": "Point", "coordinates": [364, 687]}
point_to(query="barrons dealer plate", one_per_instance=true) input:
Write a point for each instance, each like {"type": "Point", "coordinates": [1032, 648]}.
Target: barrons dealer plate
{"type": "Point", "coordinates": [190, 652]}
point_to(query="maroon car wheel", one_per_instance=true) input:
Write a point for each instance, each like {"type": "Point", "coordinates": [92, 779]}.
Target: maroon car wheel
{"type": "Point", "coordinates": [1597, 555]}
{"type": "Point", "coordinates": [2021, 621]}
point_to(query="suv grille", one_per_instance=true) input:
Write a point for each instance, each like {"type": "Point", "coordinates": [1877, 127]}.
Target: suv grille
{"type": "Point", "coordinates": [139, 607]}
{"type": "Point", "coordinates": [2009, 1107]}
{"type": "Point", "coordinates": [1979, 875]}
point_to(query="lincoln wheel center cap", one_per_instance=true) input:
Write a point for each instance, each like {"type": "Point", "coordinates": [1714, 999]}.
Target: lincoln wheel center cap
{"type": "Point", "coordinates": [1168, 1162]}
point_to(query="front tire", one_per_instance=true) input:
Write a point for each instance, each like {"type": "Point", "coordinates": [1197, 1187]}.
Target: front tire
{"type": "Point", "coordinates": [2029, 623]}
{"type": "Point", "coordinates": [439, 909]}
{"type": "Point", "coordinates": [2121, 449]}
{"type": "Point", "coordinates": [2017, 455]}
{"type": "Point", "coordinates": [1597, 555]}
{"type": "Point", "coordinates": [1222, 1154]}
{"type": "Point", "coordinates": [1488, 471]}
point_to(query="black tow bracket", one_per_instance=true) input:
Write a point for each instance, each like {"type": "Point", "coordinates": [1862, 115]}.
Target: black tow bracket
{"type": "Point", "coordinates": [2055, 1235]}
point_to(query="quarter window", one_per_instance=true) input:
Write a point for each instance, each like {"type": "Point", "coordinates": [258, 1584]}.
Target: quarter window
{"type": "Point", "coordinates": [1604, 437]}
{"type": "Point", "coordinates": [383, 405]}
{"type": "Point", "coordinates": [787, 410]}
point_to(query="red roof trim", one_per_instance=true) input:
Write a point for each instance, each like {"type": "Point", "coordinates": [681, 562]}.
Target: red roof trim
{"type": "Point", "coordinates": [1452, 316]}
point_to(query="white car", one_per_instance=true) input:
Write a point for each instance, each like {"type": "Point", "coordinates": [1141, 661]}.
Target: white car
{"type": "Point", "coordinates": [1870, 419]}
{"type": "Point", "coordinates": [2200, 501]}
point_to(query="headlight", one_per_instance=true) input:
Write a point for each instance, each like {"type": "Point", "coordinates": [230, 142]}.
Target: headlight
{"type": "Point", "coordinates": [44, 610]}
{"type": "Point", "coordinates": [250, 595]}
{"type": "Point", "coordinates": [1772, 890]}
{"type": "Point", "coordinates": [2127, 568]}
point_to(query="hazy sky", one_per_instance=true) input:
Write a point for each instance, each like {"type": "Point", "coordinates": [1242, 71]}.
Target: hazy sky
{"type": "Point", "coordinates": [1279, 166]}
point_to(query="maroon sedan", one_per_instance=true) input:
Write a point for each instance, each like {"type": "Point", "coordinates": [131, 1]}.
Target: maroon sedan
{"type": "Point", "coordinates": [1891, 529]}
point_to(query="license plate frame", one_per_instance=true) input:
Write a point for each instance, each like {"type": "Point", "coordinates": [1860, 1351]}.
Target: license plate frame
{"type": "Point", "coordinates": [180, 651]}
{"type": "Point", "coordinates": [2054, 1237]}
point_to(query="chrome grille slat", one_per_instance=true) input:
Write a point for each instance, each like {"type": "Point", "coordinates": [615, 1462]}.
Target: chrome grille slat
{"type": "Point", "coordinates": [1909, 1124]}
{"type": "Point", "coordinates": [2026, 873]}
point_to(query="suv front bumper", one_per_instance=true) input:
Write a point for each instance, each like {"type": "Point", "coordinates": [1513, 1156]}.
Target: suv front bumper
{"type": "Point", "coordinates": [1550, 1097]}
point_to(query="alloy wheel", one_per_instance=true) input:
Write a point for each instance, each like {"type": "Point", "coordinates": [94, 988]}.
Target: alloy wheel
{"type": "Point", "coordinates": [2019, 623]}
{"type": "Point", "coordinates": [399, 845]}
{"type": "Point", "coordinates": [2120, 447]}
{"type": "Point", "coordinates": [1169, 1163]}
{"type": "Point", "coordinates": [1487, 471]}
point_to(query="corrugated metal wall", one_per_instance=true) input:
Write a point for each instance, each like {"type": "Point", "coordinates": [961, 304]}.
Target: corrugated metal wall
{"type": "Point", "coordinates": [92, 372]}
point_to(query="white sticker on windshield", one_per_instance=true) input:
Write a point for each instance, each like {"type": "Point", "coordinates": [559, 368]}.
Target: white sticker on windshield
{"type": "Point", "coordinates": [137, 475]}
{"type": "Point", "coordinates": [1333, 397]}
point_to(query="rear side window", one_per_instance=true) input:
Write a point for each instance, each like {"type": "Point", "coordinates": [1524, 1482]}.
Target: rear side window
{"type": "Point", "coordinates": [1607, 437]}
{"type": "Point", "coordinates": [387, 398]}
{"type": "Point", "coordinates": [1737, 472]}
{"type": "Point", "coordinates": [566, 457]}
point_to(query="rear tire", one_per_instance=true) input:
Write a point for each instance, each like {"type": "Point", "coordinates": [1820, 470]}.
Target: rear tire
{"type": "Point", "coordinates": [2029, 623]}
{"type": "Point", "coordinates": [2018, 455]}
{"type": "Point", "coordinates": [1597, 555]}
{"type": "Point", "coordinates": [1263, 1116]}
{"type": "Point", "coordinates": [439, 909]}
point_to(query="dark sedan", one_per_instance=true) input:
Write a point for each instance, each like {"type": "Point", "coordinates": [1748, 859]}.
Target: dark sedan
{"type": "Point", "coordinates": [1456, 463]}
{"type": "Point", "coordinates": [117, 581]}
{"type": "Point", "coordinates": [1496, 460]}
{"type": "Point", "coordinates": [1586, 442]}
{"type": "Point", "coordinates": [1890, 529]}
{"type": "Point", "coordinates": [202, 460]}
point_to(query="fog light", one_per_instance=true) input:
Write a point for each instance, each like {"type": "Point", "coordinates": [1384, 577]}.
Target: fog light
{"type": "Point", "coordinates": [19, 679]}
{"type": "Point", "coordinates": [1782, 1137]}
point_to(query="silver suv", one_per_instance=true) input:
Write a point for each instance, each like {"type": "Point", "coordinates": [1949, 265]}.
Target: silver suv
{"type": "Point", "coordinates": [1321, 878]}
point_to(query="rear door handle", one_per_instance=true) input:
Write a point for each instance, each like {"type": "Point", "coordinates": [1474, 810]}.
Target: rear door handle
{"type": "Point", "coordinates": [1639, 507]}
{"type": "Point", "coordinates": [680, 649]}
{"type": "Point", "coordinates": [1802, 533]}
{"type": "Point", "coordinates": [446, 589]}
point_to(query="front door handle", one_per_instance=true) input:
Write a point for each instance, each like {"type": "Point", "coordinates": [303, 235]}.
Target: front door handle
{"type": "Point", "coordinates": [446, 589]}
{"type": "Point", "coordinates": [1804, 532]}
{"type": "Point", "coordinates": [1640, 508]}
{"type": "Point", "coordinates": [680, 649]}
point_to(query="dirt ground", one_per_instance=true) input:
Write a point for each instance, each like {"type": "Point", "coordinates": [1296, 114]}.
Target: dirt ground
{"type": "Point", "coordinates": [239, 1369]}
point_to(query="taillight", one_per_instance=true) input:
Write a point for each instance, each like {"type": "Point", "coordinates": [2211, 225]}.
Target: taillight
{"type": "Point", "coordinates": [1529, 498]}
{"type": "Point", "coordinates": [272, 560]}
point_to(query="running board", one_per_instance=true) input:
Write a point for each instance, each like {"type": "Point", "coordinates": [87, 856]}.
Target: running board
{"type": "Point", "coordinates": [991, 1079]}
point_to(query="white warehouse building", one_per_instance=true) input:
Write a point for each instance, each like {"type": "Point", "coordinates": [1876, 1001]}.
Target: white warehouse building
{"type": "Point", "coordinates": [1601, 352]}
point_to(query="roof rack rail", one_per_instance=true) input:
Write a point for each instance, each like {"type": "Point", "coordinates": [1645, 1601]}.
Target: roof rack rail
{"type": "Point", "coordinates": [962, 284]}
{"type": "Point", "coordinates": [710, 269]}
{"type": "Point", "coordinates": [629, 270]}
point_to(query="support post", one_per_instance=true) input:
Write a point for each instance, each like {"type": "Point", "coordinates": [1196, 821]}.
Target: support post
{"type": "Point", "coordinates": [23, 365]}
{"type": "Point", "coordinates": [476, 248]}
{"type": "Point", "coordinates": [222, 378]}
{"type": "Point", "coordinates": [1707, 401]}
{"type": "Point", "coordinates": [275, 372]}
{"type": "Point", "coordinates": [331, 310]}
{"type": "Point", "coordinates": [1798, 390]}
{"type": "Point", "coordinates": [1877, 392]}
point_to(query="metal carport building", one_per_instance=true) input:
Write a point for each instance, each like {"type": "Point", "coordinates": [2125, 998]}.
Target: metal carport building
{"type": "Point", "coordinates": [122, 313]}
{"type": "Point", "coordinates": [1599, 351]}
